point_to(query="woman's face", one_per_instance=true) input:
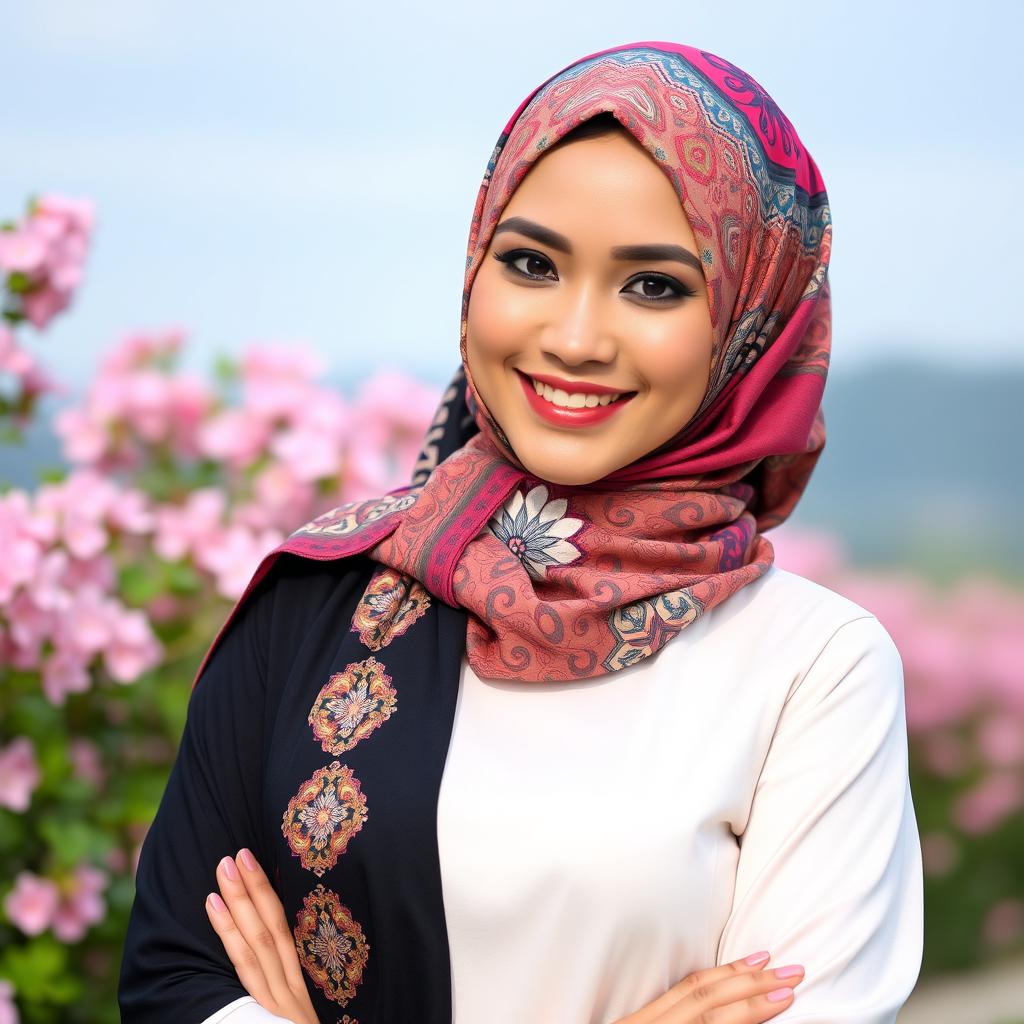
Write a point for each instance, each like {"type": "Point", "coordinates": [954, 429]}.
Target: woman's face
{"type": "Point", "coordinates": [565, 293]}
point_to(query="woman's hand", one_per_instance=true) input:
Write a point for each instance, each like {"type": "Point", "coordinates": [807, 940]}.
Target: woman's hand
{"type": "Point", "coordinates": [251, 923]}
{"type": "Point", "coordinates": [735, 993]}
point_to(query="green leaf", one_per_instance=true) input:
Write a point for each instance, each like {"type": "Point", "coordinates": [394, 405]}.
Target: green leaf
{"type": "Point", "coordinates": [70, 841]}
{"type": "Point", "coordinates": [138, 583]}
{"type": "Point", "coordinates": [52, 474]}
{"type": "Point", "coordinates": [38, 969]}
{"type": "Point", "coordinates": [18, 282]}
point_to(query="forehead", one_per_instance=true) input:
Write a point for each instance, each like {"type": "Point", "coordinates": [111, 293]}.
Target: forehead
{"type": "Point", "coordinates": [600, 184]}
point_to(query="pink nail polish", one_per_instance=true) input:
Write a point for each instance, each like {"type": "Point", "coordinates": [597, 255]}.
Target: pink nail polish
{"type": "Point", "coordinates": [756, 958]}
{"type": "Point", "coordinates": [779, 994]}
{"type": "Point", "coordinates": [247, 859]}
{"type": "Point", "coordinates": [217, 903]}
{"type": "Point", "coordinates": [229, 869]}
{"type": "Point", "coordinates": [788, 971]}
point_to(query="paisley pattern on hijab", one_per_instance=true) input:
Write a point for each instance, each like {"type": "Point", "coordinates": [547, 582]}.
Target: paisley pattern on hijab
{"type": "Point", "coordinates": [571, 582]}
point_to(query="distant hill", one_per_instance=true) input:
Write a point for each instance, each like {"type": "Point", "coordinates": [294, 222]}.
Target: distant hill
{"type": "Point", "coordinates": [922, 465]}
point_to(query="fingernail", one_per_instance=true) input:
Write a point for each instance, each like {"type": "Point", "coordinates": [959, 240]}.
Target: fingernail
{"type": "Point", "coordinates": [756, 958]}
{"type": "Point", "coordinates": [229, 869]}
{"type": "Point", "coordinates": [247, 859]}
{"type": "Point", "coordinates": [788, 971]}
{"type": "Point", "coordinates": [779, 994]}
{"type": "Point", "coordinates": [217, 903]}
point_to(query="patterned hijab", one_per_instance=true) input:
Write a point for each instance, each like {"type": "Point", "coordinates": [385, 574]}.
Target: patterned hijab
{"type": "Point", "coordinates": [563, 582]}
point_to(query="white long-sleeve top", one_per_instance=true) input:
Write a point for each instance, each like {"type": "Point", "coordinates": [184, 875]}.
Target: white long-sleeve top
{"type": "Point", "coordinates": [744, 788]}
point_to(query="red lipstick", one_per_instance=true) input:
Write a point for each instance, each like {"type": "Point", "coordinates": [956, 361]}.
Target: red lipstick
{"type": "Point", "coordinates": [563, 417]}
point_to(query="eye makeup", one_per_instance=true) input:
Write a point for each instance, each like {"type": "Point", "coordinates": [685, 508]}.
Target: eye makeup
{"type": "Point", "coordinates": [679, 290]}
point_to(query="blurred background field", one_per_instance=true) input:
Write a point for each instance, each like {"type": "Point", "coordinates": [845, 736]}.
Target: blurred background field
{"type": "Point", "coordinates": [235, 305]}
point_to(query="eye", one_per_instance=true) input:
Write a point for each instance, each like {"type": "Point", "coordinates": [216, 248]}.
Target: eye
{"type": "Point", "coordinates": [677, 290]}
{"type": "Point", "coordinates": [512, 256]}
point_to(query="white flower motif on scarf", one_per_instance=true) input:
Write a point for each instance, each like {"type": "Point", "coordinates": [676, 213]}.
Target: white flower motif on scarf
{"type": "Point", "coordinates": [535, 530]}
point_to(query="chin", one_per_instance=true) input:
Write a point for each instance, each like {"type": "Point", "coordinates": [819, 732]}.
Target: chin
{"type": "Point", "coordinates": [563, 472]}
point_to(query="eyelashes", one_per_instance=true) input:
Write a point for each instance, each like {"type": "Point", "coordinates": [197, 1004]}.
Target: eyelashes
{"type": "Point", "coordinates": [679, 290]}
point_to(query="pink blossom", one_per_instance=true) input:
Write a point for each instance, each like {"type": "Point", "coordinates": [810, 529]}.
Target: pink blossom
{"type": "Point", "coordinates": [64, 672]}
{"type": "Point", "coordinates": [19, 774]}
{"type": "Point", "coordinates": [78, 215]}
{"type": "Point", "coordinates": [49, 247]}
{"type": "Point", "coordinates": [309, 453]}
{"type": "Point", "coordinates": [32, 903]}
{"type": "Point", "coordinates": [235, 435]}
{"type": "Point", "coordinates": [29, 626]}
{"type": "Point", "coordinates": [48, 589]}
{"type": "Point", "coordinates": [180, 530]}
{"type": "Point", "coordinates": [42, 304]}
{"type": "Point", "coordinates": [811, 553]}
{"type": "Point", "coordinates": [134, 648]}
{"type": "Point", "coordinates": [85, 761]}
{"type": "Point", "coordinates": [135, 350]}
{"type": "Point", "coordinates": [1001, 739]}
{"type": "Point", "coordinates": [97, 573]}
{"type": "Point", "coordinates": [84, 438]}
{"type": "Point", "coordinates": [277, 379]}
{"type": "Point", "coordinates": [21, 550]}
{"type": "Point", "coordinates": [131, 512]}
{"type": "Point", "coordinates": [1004, 922]}
{"type": "Point", "coordinates": [116, 859]}
{"type": "Point", "coordinates": [236, 556]}
{"type": "Point", "coordinates": [984, 807]}
{"type": "Point", "coordinates": [81, 904]}
{"type": "Point", "coordinates": [279, 498]}
{"type": "Point", "coordinates": [23, 250]}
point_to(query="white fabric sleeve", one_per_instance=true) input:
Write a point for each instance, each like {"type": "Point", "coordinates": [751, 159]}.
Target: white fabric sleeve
{"type": "Point", "coordinates": [244, 1010]}
{"type": "Point", "coordinates": [829, 872]}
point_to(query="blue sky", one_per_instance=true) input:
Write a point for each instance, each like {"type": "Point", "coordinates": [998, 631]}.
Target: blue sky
{"type": "Point", "coordinates": [306, 172]}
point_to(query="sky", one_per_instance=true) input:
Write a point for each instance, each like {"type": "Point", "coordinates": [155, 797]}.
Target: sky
{"type": "Point", "coordinates": [306, 172]}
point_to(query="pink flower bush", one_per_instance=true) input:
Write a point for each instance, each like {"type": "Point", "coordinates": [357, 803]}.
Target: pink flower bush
{"type": "Point", "coordinates": [47, 250]}
{"type": "Point", "coordinates": [70, 907]}
{"type": "Point", "coordinates": [286, 447]}
{"type": "Point", "coordinates": [57, 604]}
{"type": "Point", "coordinates": [32, 903]}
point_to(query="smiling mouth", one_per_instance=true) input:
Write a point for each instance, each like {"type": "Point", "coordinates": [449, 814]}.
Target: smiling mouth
{"type": "Point", "coordinates": [572, 416]}
{"type": "Point", "coordinates": [578, 398]}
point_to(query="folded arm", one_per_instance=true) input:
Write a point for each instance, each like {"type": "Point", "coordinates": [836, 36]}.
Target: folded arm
{"type": "Point", "coordinates": [829, 872]}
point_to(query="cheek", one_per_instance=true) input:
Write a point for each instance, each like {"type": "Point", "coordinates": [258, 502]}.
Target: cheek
{"type": "Point", "coordinates": [497, 318]}
{"type": "Point", "coordinates": [675, 357]}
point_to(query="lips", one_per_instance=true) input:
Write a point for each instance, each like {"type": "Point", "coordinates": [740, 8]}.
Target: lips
{"type": "Point", "coordinates": [560, 416]}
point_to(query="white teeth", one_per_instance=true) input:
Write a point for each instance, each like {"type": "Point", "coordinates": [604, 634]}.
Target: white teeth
{"type": "Point", "coordinates": [577, 400]}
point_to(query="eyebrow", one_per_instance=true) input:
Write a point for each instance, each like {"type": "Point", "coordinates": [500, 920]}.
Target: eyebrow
{"type": "Point", "coordinates": [554, 240]}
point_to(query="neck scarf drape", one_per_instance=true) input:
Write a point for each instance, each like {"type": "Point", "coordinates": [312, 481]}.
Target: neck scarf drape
{"type": "Point", "coordinates": [533, 581]}
{"type": "Point", "coordinates": [572, 582]}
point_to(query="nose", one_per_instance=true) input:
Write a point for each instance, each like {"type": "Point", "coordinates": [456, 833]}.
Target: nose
{"type": "Point", "coordinates": [579, 332]}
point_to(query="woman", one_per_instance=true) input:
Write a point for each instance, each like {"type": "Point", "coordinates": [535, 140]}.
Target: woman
{"type": "Point", "coordinates": [450, 721]}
